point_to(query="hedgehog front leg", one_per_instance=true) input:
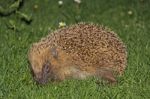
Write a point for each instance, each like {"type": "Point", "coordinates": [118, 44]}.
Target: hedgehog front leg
{"type": "Point", "coordinates": [106, 75]}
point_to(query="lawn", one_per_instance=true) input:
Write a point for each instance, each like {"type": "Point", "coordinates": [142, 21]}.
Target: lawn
{"type": "Point", "coordinates": [130, 19]}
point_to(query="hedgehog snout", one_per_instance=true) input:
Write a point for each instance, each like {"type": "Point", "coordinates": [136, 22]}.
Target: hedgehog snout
{"type": "Point", "coordinates": [47, 74]}
{"type": "Point", "coordinates": [43, 76]}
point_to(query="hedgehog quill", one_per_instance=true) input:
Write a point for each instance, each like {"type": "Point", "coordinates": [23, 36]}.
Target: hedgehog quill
{"type": "Point", "coordinates": [78, 51]}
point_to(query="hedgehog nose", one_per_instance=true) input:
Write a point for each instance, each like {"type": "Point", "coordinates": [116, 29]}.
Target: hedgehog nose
{"type": "Point", "coordinates": [40, 79]}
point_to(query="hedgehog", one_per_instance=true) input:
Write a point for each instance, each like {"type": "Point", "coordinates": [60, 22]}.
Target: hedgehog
{"type": "Point", "coordinates": [78, 51]}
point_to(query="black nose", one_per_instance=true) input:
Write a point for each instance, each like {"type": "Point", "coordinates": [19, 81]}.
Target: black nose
{"type": "Point", "coordinates": [41, 80]}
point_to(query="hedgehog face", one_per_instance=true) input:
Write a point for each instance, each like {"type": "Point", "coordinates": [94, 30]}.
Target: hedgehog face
{"type": "Point", "coordinates": [41, 67]}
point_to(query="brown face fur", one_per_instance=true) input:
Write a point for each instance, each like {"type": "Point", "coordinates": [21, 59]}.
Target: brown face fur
{"type": "Point", "coordinates": [39, 64]}
{"type": "Point", "coordinates": [46, 65]}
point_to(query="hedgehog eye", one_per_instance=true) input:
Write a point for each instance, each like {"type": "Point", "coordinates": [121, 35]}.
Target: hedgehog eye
{"type": "Point", "coordinates": [46, 68]}
{"type": "Point", "coordinates": [54, 53]}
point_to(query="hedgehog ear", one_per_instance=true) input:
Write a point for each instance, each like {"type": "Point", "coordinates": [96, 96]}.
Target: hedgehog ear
{"type": "Point", "coordinates": [54, 52]}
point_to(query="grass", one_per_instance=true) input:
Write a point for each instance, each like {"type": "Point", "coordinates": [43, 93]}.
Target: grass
{"type": "Point", "coordinates": [133, 28]}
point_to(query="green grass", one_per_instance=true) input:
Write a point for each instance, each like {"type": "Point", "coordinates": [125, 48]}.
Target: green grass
{"type": "Point", "coordinates": [15, 79]}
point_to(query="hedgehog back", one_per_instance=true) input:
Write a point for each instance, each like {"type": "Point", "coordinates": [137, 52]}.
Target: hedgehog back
{"type": "Point", "coordinates": [92, 45]}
